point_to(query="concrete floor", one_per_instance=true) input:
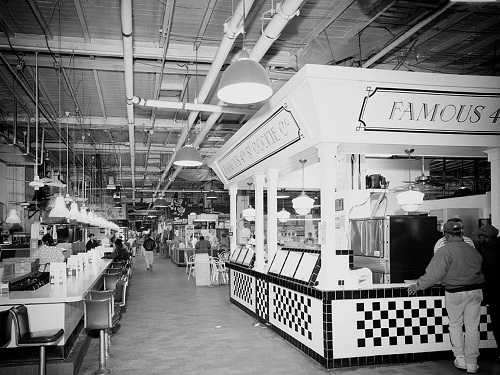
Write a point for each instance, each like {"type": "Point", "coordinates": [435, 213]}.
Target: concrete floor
{"type": "Point", "coordinates": [170, 326]}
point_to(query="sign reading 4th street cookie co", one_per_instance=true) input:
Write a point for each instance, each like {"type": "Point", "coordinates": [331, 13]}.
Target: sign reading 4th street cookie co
{"type": "Point", "coordinates": [279, 131]}
{"type": "Point", "coordinates": [430, 111]}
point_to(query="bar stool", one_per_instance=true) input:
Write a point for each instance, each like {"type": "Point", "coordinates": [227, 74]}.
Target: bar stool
{"type": "Point", "coordinates": [99, 315]}
{"type": "Point", "coordinates": [26, 338]}
{"type": "Point", "coordinates": [5, 328]}
{"type": "Point", "coordinates": [110, 280]}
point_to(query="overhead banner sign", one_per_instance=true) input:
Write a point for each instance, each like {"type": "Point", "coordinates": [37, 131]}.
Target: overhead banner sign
{"type": "Point", "coordinates": [279, 131]}
{"type": "Point", "coordinates": [429, 111]}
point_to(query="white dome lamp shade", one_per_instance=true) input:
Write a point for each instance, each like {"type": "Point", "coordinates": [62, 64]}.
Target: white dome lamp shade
{"type": "Point", "coordinates": [302, 204]}
{"type": "Point", "coordinates": [410, 200]}
{"type": "Point", "coordinates": [249, 213]}
{"type": "Point", "coordinates": [36, 183]}
{"type": "Point", "coordinates": [283, 215]}
{"type": "Point", "coordinates": [59, 209]}
{"type": "Point", "coordinates": [13, 217]}
{"type": "Point", "coordinates": [245, 81]}
{"type": "Point", "coordinates": [74, 212]}
{"type": "Point", "coordinates": [188, 156]}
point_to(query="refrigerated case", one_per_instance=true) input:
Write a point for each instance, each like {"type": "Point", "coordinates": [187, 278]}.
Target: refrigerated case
{"type": "Point", "coordinates": [395, 248]}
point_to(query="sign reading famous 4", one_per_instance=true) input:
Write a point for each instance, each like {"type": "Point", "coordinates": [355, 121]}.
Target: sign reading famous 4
{"type": "Point", "coordinates": [278, 132]}
{"type": "Point", "coordinates": [429, 111]}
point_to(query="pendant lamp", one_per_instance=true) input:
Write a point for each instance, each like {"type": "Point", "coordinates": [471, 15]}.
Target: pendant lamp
{"type": "Point", "coordinates": [74, 213]}
{"type": "Point", "coordinates": [283, 215]}
{"type": "Point", "coordinates": [59, 209]}
{"type": "Point", "coordinates": [188, 156]}
{"type": "Point", "coordinates": [302, 204]}
{"type": "Point", "coordinates": [160, 203]}
{"type": "Point", "coordinates": [36, 183]}
{"type": "Point", "coordinates": [410, 200]}
{"type": "Point", "coordinates": [245, 81]}
{"type": "Point", "coordinates": [13, 217]}
{"type": "Point", "coordinates": [249, 212]}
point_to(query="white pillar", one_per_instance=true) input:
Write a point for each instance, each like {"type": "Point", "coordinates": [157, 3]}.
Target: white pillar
{"type": "Point", "coordinates": [333, 267]}
{"type": "Point", "coordinates": [233, 219]}
{"type": "Point", "coordinates": [494, 159]}
{"type": "Point", "coordinates": [272, 220]}
{"type": "Point", "coordinates": [259, 222]}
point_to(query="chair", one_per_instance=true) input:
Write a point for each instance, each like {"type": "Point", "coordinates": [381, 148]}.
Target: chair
{"type": "Point", "coordinates": [121, 294]}
{"type": "Point", "coordinates": [5, 328]}
{"type": "Point", "coordinates": [110, 280]}
{"type": "Point", "coordinates": [190, 266]}
{"type": "Point", "coordinates": [25, 338]}
{"type": "Point", "coordinates": [218, 273]}
{"type": "Point", "coordinates": [99, 315]}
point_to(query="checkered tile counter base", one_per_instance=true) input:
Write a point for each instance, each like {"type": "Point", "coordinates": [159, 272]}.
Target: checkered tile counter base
{"type": "Point", "coordinates": [350, 328]}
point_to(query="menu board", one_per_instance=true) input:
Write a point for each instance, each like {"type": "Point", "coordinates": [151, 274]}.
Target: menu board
{"type": "Point", "coordinates": [291, 263]}
{"type": "Point", "coordinates": [278, 261]}
{"type": "Point", "coordinates": [306, 266]}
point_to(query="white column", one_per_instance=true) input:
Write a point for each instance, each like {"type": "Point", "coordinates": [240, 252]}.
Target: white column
{"type": "Point", "coordinates": [494, 159]}
{"type": "Point", "coordinates": [259, 222]}
{"type": "Point", "coordinates": [272, 221]}
{"type": "Point", "coordinates": [333, 267]}
{"type": "Point", "coordinates": [233, 219]}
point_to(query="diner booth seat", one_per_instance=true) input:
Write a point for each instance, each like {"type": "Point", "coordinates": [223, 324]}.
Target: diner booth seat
{"type": "Point", "coordinates": [25, 338]}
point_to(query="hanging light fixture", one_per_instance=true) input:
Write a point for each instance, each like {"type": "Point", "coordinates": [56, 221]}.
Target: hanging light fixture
{"type": "Point", "coordinates": [160, 202]}
{"type": "Point", "coordinates": [283, 215]}
{"type": "Point", "coordinates": [211, 194]}
{"type": "Point", "coordinates": [36, 183]}
{"type": "Point", "coordinates": [188, 156]}
{"type": "Point", "coordinates": [245, 81]}
{"type": "Point", "coordinates": [249, 212]}
{"type": "Point", "coordinates": [59, 209]}
{"type": "Point", "coordinates": [67, 197]}
{"type": "Point", "coordinates": [302, 204]}
{"type": "Point", "coordinates": [74, 213]}
{"type": "Point", "coordinates": [410, 200]}
{"type": "Point", "coordinates": [13, 217]}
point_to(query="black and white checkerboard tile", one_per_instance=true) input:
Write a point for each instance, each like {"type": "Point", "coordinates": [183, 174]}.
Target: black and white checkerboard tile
{"type": "Point", "coordinates": [243, 289]}
{"type": "Point", "coordinates": [262, 299]}
{"type": "Point", "coordinates": [298, 315]}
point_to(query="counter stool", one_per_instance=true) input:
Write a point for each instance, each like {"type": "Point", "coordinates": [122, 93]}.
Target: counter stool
{"type": "Point", "coordinates": [190, 266]}
{"type": "Point", "coordinates": [5, 328]}
{"type": "Point", "coordinates": [110, 280]}
{"type": "Point", "coordinates": [99, 315]}
{"type": "Point", "coordinates": [26, 338]}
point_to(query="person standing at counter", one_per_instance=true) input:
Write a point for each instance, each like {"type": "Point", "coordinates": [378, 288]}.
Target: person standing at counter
{"type": "Point", "coordinates": [149, 246]}
{"type": "Point", "coordinates": [91, 243]}
{"type": "Point", "coordinates": [442, 240]}
{"type": "Point", "coordinates": [489, 244]}
{"type": "Point", "coordinates": [48, 252]}
{"type": "Point", "coordinates": [457, 266]}
{"type": "Point", "coordinates": [202, 246]}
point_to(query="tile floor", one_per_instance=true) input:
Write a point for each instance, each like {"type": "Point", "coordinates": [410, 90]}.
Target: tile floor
{"type": "Point", "coordinates": [170, 326]}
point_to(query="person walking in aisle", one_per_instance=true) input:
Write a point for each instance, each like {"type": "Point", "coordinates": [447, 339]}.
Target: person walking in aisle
{"type": "Point", "coordinates": [489, 244]}
{"type": "Point", "coordinates": [149, 247]}
{"type": "Point", "coordinates": [457, 266]}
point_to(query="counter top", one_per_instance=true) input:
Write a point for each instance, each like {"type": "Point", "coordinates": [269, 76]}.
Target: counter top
{"type": "Point", "coordinates": [73, 290]}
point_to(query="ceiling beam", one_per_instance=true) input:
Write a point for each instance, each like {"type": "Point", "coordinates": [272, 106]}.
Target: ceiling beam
{"type": "Point", "coordinates": [99, 92]}
{"type": "Point", "coordinates": [83, 20]}
{"type": "Point", "coordinates": [40, 18]}
{"type": "Point", "coordinates": [110, 48]}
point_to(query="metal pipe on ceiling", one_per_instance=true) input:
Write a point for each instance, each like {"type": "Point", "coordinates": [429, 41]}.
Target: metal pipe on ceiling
{"type": "Point", "coordinates": [128, 56]}
{"type": "Point", "coordinates": [284, 12]}
{"type": "Point", "coordinates": [231, 31]}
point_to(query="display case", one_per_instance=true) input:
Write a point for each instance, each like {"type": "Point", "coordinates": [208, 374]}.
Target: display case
{"type": "Point", "coordinates": [297, 264]}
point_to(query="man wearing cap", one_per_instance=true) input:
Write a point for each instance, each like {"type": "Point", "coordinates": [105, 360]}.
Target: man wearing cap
{"type": "Point", "coordinates": [457, 266]}
{"type": "Point", "coordinates": [489, 243]}
{"type": "Point", "coordinates": [442, 240]}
